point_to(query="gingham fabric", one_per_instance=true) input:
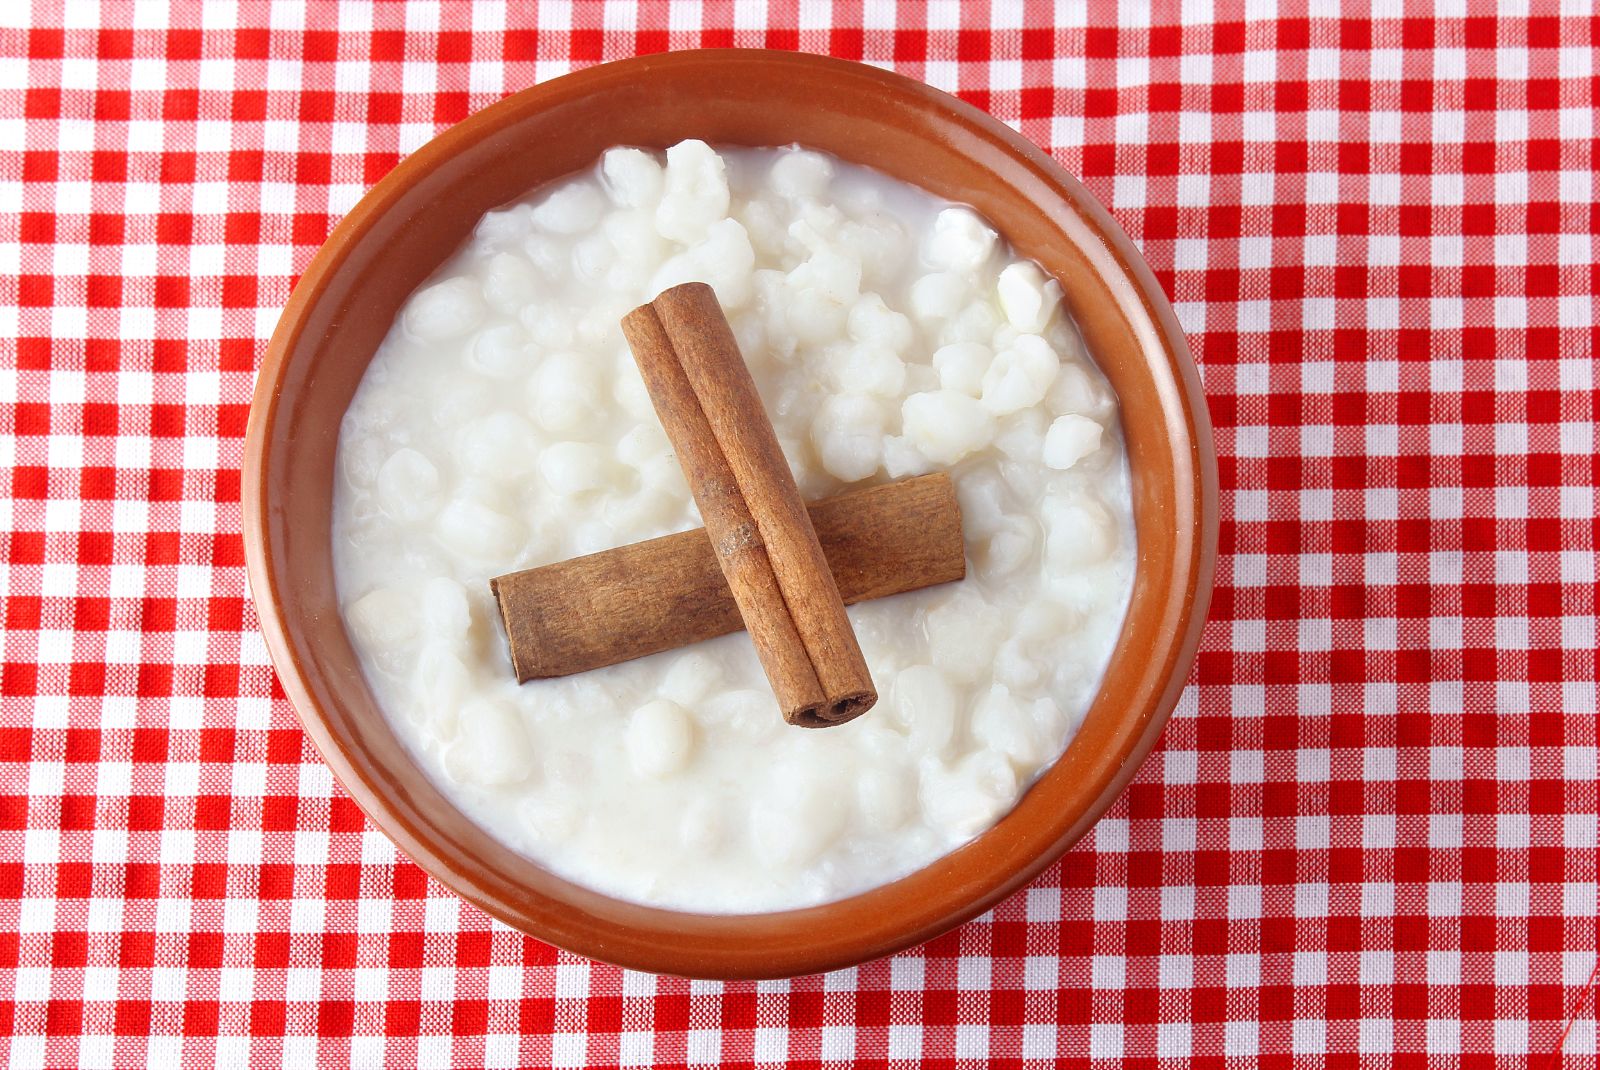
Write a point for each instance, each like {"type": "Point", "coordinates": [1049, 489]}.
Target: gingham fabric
{"type": "Point", "coordinates": [1368, 836]}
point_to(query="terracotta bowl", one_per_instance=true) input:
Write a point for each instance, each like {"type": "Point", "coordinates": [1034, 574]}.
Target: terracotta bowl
{"type": "Point", "coordinates": [406, 226]}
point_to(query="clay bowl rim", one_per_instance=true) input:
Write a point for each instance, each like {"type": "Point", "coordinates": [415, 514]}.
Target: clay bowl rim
{"type": "Point", "coordinates": [1067, 798]}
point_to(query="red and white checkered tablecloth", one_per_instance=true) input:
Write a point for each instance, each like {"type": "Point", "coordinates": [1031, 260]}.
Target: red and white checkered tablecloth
{"type": "Point", "coordinates": [1369, 834]}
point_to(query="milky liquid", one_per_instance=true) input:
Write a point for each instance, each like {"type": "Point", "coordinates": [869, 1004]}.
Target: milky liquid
{"type": "Point", "coordinates": [503, 425]}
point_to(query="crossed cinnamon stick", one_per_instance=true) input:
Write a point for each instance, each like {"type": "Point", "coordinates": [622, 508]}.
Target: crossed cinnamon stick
{"type": "Point", "coordinates": [763, 561]}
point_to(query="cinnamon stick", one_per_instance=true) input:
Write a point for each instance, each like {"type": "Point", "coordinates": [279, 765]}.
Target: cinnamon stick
{"type": "Point", "coordinates": [754, 516]}
{"type": "Point", "coordinates": [666, 593]}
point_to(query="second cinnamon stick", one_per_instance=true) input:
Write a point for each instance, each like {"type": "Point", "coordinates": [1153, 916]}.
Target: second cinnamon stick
{"type": "Point", "coordinates": [753, 512]}
{"type": "Point", "coordinates": [665, 593]}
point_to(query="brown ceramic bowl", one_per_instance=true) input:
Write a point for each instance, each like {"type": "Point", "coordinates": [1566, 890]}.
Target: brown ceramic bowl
{"type": "Point", "coordinates": [406, 226]}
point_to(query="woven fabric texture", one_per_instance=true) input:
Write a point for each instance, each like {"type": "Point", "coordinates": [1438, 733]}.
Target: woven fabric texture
{"type": "Point", "coordinates": [1368, 836]}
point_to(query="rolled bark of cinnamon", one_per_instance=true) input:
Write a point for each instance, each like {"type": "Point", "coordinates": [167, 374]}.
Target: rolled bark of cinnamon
{"type": "Point", "coordinates": [661, 594]}
{"type": "Point", "coordinates": [753, 512]}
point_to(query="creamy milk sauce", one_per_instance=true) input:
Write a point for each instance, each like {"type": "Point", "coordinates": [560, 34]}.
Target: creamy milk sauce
{"type": "Point", "coordinates": [503, 425]}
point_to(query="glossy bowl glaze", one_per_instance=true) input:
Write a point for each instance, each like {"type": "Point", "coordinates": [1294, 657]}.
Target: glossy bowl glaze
{"type": "Point", "coordinates": [421, 212]}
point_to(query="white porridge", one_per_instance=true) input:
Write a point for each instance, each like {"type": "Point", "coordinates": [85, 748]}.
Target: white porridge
{"type": "Point", "coordinates": [503, 425]}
